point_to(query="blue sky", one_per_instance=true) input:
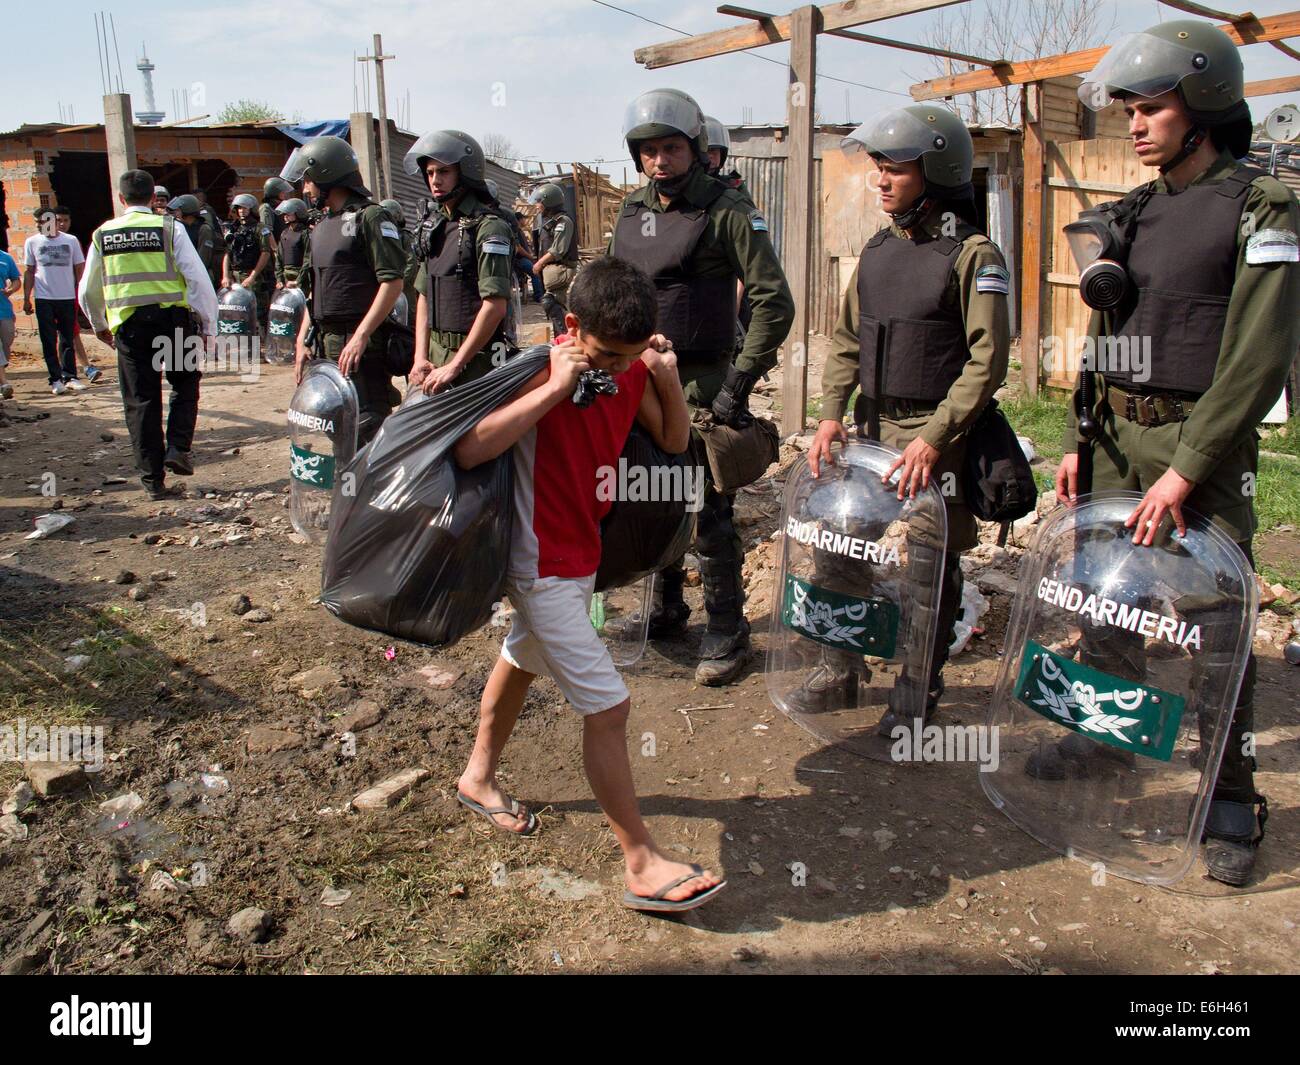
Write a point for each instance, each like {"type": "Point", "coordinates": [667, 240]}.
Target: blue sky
{"type": "Point", "coordinates": [551, 75]}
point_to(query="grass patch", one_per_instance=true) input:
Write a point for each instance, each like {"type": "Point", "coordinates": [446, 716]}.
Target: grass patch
{"type": "Point", "coordinates": [1284, 439]}
{"type": "Point", "coordinates": [1042, 419]}
{"type": "Point", "coordinates": [1277, 494]}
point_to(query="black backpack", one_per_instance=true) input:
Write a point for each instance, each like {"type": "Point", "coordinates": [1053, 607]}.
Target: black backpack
{"type": "Point", "coordinates": [996, 479]}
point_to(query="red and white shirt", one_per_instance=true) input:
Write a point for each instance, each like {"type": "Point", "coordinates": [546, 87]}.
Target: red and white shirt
{"type": "Point", "coordinates": [557, 513]}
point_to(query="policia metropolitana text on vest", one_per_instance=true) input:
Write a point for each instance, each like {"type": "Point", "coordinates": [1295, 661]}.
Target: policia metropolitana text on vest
{"type": "Point", "coordinates": [142, 287]}
{"type": "Point", "coordinates": [1200, 268]}
{"type": "Point", "coordinates": [354, 257]}
{"type": "Point", "coordinates": [924, 334]}
{"type": "Point", "coordinates": [466, 249]}
{"type": "Point", "coordinates": [697, 238]}
{"type": "Point", "coordinates": [557, 253]}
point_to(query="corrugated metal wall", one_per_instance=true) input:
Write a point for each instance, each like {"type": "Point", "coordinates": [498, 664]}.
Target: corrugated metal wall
{"type": "Point", "coordinates": [765, 178]}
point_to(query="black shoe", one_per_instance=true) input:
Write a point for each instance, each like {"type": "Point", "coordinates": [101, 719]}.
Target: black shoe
{"type": "Point", "coordinates": [668, 621]}
{"type": "Point", "coordinates": [894, 716]}
{"type": "Point", "coordinates": [181, 462]}
{"type": "Point", "coordinates": [717, 672]}
{"type": "Point", "coordinates": [1230, 840]}
{"type": "Point", "coordinates": [166, 491]}
{"type": "Point", "coordinates": [1075, 757]}
{"type": "Point", "coordinates": [827, 688]}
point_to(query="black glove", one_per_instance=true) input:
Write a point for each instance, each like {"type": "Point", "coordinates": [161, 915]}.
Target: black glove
{"type": "Point", "coordinates": [731, 407]}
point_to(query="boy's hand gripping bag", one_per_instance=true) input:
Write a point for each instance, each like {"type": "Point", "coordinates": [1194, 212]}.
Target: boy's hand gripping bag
{"type": "Point", "coordinates": [418, 547]}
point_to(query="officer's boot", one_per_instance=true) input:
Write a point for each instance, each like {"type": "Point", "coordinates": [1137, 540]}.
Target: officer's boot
{"type": "Point", "coordinates": [1230, 840]}
{"type": "Point", "coordinates": [725, 647]}
{"type": "Point", "coordinates": [832, 684]}
{"type": "Point", "coordinates": [904, 697]}
{"type": "Point", "coordinates": [669, 613]}
{"type": "Point", "coordinates": [554, 311]}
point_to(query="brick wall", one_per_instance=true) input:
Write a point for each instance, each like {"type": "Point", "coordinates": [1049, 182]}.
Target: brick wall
{"type": "Point", "coordinates": [25, 162]}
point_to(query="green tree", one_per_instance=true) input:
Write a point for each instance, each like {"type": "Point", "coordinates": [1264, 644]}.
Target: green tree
{"type": "Point", "coordinates": [249, 111]}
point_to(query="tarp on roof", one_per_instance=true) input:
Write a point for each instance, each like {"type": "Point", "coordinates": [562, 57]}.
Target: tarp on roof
{"type": "Point", "coordinates": [302, 132]}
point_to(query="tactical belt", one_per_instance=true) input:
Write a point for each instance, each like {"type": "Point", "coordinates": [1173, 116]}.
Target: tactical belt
{"type": "Point", "coordinates": [892, 407]}
{"type": "Point", "coordinates": [1159, 408]}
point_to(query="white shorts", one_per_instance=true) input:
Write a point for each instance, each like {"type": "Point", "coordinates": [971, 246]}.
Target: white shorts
{"type": "Point", "coordinates": [551, 634]}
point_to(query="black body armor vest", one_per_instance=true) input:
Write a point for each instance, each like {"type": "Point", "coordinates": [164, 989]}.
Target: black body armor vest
{"type": "Point", "coordinates": [452, 271]}
{"type": "Point", "coordinates": [343, 283]}
{"type": "Point", "coordinates": [904, 328]}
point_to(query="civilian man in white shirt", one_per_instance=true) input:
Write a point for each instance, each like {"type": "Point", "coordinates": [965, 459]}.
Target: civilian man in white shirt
{"type": "Point", "coordinates": [142, 286]}
{"type": "Point", "coordinates": [53, 265]}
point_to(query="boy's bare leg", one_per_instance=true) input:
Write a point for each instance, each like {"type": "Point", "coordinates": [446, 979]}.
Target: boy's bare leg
{"type": "Point", "coordinates": [83, 360]}
{"type": "Point", "coordinates": [503, 699]}
{"type": "Point", "coordinates": [604, 755]}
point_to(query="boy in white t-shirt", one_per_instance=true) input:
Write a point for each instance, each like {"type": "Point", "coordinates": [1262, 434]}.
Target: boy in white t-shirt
{"type": "Point", "coordinates": [53, 263]}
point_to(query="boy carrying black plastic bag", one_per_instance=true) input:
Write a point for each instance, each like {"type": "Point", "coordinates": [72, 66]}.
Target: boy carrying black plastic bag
{"type": "Point", "coordinates": [558, 448]}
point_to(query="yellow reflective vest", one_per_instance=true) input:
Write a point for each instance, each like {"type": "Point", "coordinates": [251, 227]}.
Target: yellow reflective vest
{"type": "Point", "coordinates": [137, 251]}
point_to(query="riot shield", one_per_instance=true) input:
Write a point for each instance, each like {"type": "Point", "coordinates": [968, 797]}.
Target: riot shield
{"type": "Point", "coordinates": [323, 418]}
{"type": "Point", "coordinates": [1117, 686]}
{"type": "Point", "coordinates": [236, 321]}
{"type": "Point", "coordinates": [284, 319]}
{"type": "Point", "coordinates": [401, 312]}
{"type": "Point", "coordinates": [622, 618]}
{"type": "Point", "coordinates": [855, 608]}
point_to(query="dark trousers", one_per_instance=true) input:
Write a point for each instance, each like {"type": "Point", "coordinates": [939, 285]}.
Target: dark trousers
{"type": "Point", "coordinates": [141, 384]}
{"type": "Point", "coordinates": [54, 321]}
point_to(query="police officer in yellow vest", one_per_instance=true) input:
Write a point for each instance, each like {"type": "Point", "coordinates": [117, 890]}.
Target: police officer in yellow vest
{"type": "Point", "coordinates": [142, 288]}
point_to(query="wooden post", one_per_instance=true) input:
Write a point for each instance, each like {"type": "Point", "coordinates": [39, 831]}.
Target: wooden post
{"type": "Point", "coordinates": [119, 134]}
{"type": "Point", "coordinates": [361, 132]}
{"type": "Point", "coordinates": [1031, 267]}
{"type": "Point", "coordinates": [800, 211]}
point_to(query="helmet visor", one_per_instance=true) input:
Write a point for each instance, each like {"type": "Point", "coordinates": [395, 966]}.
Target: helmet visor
{"type": "Point", "coordinates": [660, 114]}
{"type": "Point", "coordinates": [897, 135]}
{"type": "Point", "coordinates": [1141, 64]}
{"type": "Point", "coordinates": [295, 167]}
{"type": "Point", "coordinates": [438, 146]}
{"type": "Point", "coordinates": [718, 136]}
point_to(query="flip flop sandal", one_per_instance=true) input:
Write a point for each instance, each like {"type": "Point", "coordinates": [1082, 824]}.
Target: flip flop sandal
{"type": "Point", "coordinates": [656, 903]}
{"type": "Point", "coordinates": [512, 809]}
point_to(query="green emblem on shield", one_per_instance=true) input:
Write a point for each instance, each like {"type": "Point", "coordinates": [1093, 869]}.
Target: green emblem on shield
{"type": "Point", "coordinates": [309, 468]}
{"type": "Point", "coordinates": [845, 622]}
{"type": "Point", "coordinates": [280, 329]}
{"type": "Point", "coordinates": [597, 612]}
{"type": "Point", "coordinates": [1122, 713]}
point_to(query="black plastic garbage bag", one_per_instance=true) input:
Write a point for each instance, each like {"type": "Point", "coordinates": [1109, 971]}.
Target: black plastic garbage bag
{"type": "Point", "coordinates": [418, 548]}
{"type": "Point", "coordinates": [651, 523]}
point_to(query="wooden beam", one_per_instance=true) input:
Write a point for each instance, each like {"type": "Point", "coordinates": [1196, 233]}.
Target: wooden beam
{"type": "Point", "coordinates": [1271, 85]}
{"type": "Point", "coordinates": [1031, 240]}
{"type": "Point", "coordinates": [1256, 31]}
{"type": "Point", "coordinates": [800, 212]}
{"type": "Point", "coordinates": [765, 18]}
{"type": "Point", "coordinates": [1285, 49]}
{"type": "Point", "coordinates": [1206, 12]}
{"type": "Point", "coordinates": [739, 38]}
{"type": "Point", "coordinates": [924, 49]}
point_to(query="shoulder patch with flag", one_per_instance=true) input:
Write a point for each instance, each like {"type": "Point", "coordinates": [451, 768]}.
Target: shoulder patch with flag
{"type": "Point", "coordinates": [388, 229]}
{"type": "Point", "coordinates": [1272, 246]}
{"type": "Point", "coordinates": [992, 279]}
{"type": "Point", "coordinates": [757, 222]}
{"type": "Point", "coordinates": [496, 246]}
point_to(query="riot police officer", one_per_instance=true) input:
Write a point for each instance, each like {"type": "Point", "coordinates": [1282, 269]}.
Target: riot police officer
{"type": "Point", "coordinates": [697, 238]}
{"type": "Point", "coordinates": [1203, 267]}
{"type": "Point", "coordinates": [354, 257]}
{"type": "Point", "coordinates": [218, 234]}
{"type": "Point", "coordinates": [395, 212]}
{"type": "Point", "coordinates": [292, 245]}
{"type": "Point", "coordinates": [719, 149]}
{"type": "Point", "coordinates": [250, 255]}
{"type": "Point", "coordinates": [924, 332]}
{"type": "Point", "coordinates": [466, 253]}
{"type": "Point", "coordinates": [161, 198]}
{"type": "Point", "coordinates": [557, 261]}
{"type": "Point", "coordinates": [186, 209]}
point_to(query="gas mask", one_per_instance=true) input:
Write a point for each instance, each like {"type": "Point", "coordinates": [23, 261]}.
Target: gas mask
{"type": "Point", "coordinates": [1099, 241]}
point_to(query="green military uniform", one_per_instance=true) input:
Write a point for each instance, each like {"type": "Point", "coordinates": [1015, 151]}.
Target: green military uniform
{"type": "Point", "coordinates": [703, 241]}
{"type": "Point", "coordinates": [735, 245]}
{"type": "Point", "coordinates": [1217, 446]}
{"type": "Point", "coordinates": [286, 273]}
{"type": "Point", "coordinates": [559, 238]}
{"type": "Point", "coordinates": [943, 425]}
{"type": "Point", "coordinates": [200, 234]}
{"type": "Point", "coordinates": [410, 274]}
{"type": "Point", "coordinates": [382, 245]}
{"type": "Point", "coordinates": [264, 286]}
{"type": "Point", "coordinates": [493, 278]}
